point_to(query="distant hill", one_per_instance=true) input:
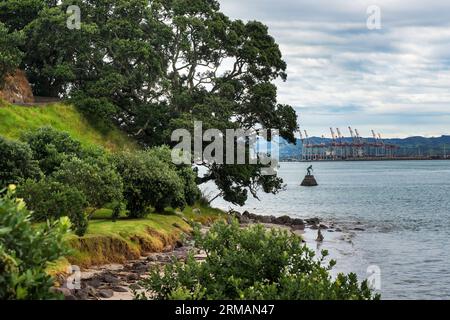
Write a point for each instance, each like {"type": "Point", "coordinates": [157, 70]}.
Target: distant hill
{"type": "Point", "coordinates": [14, 120]}
{"type": "Point", "coordinates": [412, 146]}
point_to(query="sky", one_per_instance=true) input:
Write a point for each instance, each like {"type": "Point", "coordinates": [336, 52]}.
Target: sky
{"type": "Point", "coordinates": [394, 79]}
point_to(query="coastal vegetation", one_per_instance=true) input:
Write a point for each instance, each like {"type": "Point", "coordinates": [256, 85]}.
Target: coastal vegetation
{"type": "Point", "coordinates": [252, 264]}
{"type": "Point", "coordinates": [90, 180]}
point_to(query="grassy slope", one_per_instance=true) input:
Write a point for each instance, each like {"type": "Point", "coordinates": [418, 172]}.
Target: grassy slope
{"type": "Point", "coordinates": [115, 242]}
{"type": "Point", "coordinates": [105, 241]}
{"type": "Point", "coordinates": [14, 120]}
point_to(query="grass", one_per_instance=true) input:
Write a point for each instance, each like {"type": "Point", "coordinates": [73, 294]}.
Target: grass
{"type": "Point", "coordinates": [14, 120]}
{"type": "Point", "coordinates": [116, 242]}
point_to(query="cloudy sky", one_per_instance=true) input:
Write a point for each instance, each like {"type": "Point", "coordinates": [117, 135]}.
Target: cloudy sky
{"type": "Point", "coordinates": [395, 80]}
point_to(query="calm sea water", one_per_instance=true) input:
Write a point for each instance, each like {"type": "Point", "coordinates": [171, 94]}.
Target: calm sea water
{"type": "Point", "coordinates": [404, 207]}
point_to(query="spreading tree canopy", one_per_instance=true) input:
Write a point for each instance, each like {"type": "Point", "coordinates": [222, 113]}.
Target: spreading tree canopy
{"type": "Point", "coordinates": [151, 67]}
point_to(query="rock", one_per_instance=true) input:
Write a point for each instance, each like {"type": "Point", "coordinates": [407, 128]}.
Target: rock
{"type": "Point", "coordinates": [329, 230]}
{"type": "Point", "coordinates": [95, 283]}
{"type": "Point", "coordinates": [152, 258]}
{"type": "Point", "coordinates": [110, 279]}
{"type": "Point", "coordinates": [297, 221]}
{"type": "Point", "coordinates": [338, 230]}
{"type": "Point", "coordinates": [106, 293]}
{"type": "Point", "coordinates": [314, 227]}
{"type": "Point", "coordinates": [298, 227]}
{"type": "Point", "coordinates": [359, 229]}
{"type": "Point", "coordinates": [135, 286]}
{"type": "Point", "coordinates": [309, 181]}
{"type": "Point", "coordinates": [266, 219]}
{"type": "Point", "coordinates": [119, 289]}
{"type": "Point", "coordinates": [322, 226]}
{"type": "Point", "coordinates": [196, 211]}
{"type": "Point", "coordinates": [283, 220]}
{"type": "Point", "coordinates": [167, 248]}
{"type": "Point", "coordinates": [250, 216]}
{"type": "Point", "coordinates": [133, 277]}
{"type": "Point", "coordinates": [140, 267]}
{"type": "Point", "coordinates": [82, 294]}
{"type": "Point", "coordinates": [244, 220]}
{"type": "Point", "coordinates": [70, 297]}
{"type": "Point", "coordinates": [64, 291]}
{"type": "Point", "coordinates": [176, 225]}
{"type": "Point", "coordinates": [313, 221]}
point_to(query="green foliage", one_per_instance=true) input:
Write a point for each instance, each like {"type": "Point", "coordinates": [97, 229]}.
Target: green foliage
{"type": "Point", "coordinates": [95, 177]}
{"type": "Point", "coordinates": [253, 263]}
{"type": "Point", "coordinates": [155, 66]}
{"type": "Point", "coordinates": [51, 200]}
{"type": "Point", "coordinates": [148, 181]}
{"type": "Point", "coordinates": [16, 163]}
{"type": "Point", "coordinates": [51, 147]}
{"type": "Point", "coordinates": [25, 251]}
{"type": "Point", "coordinates": [186, 173]}
{"type": "Point", "coordinates": [10, 54]}
{"type": "Point", "coordinates": [16, 14]}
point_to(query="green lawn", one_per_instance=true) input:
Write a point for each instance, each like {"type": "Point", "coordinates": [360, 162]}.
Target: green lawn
{"type": "Point", "coordinates": [115, 242]}
{"type": "Point", "coordinates": [14, 120]}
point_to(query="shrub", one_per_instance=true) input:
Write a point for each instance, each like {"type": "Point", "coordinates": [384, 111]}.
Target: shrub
{"type": "Point", "coordinates": [25, 251]}
{"type": "Point", "coordinates": [96, 178]}
{"type": "Point", "coordinates": [16, 163]}
{"type": "Point", "coordinates": [191, 191]}
{"type": "Point", "coordinates": [148, 181]}
{"type": "Point", "coordinates": [50, 200]}
{"type": "Point", "coordinates": [51, 147]}
{"type": "Point", "coordinates": [252, 263]}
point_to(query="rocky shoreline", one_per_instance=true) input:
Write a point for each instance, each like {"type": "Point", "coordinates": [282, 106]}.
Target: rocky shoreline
{"type": "Point", "coordinates": [121, 281]}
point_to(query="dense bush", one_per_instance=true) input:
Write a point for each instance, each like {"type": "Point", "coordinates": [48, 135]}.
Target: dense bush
{"type": "Point", "coordinates": [50, 200]}
{"type": "Point", "coordinates": [191, 191]}
{"type": "Point", "coordinates": [148, 181]}
{"type": "Point", "coordinates": [253, 263]}
{"type": "Point", "coordinates": [25, 251]}
{"type": "Point", "coordinates": [16, 162]}
{"type": "Point", "coordinates": [51, 147]}
{"type": "Point", "coordinates": [95, 177]}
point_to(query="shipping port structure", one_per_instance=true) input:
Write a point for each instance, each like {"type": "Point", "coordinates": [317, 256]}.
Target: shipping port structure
{"type": "Point", "coordinates": [353, 147]}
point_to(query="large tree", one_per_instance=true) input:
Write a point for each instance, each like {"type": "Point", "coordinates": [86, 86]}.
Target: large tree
{"type": "Point", "coordinates": [156, 66]}
{"type": "Point", "coordinates": [10, 54]}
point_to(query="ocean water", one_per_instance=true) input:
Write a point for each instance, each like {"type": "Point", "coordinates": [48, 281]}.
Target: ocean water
{"type": "Point", "coordinates": [403, 207]}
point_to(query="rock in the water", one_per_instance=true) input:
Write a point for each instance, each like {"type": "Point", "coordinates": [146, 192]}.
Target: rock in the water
{"type": "Point", "coordinates": [313, 221]}
{"type": "Point", "coordinates": [106, 293]}
{"type": "Point", "coordinates": [309, 181]}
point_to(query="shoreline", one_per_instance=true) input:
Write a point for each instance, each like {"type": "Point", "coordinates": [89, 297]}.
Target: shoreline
{"type": "Point", "coordinates": [119, 281]}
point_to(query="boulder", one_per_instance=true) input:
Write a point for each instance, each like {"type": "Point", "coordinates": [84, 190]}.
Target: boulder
{"type": "Point", "coordinates": [283, 220]}
{"type": "Point", "coordinates": [106, 293]}
{"type": "Point", "coordinates": [110, 279]}
{"type": "Point", "coordinates": [309, 181]}
{"type": "Point", "coordinates": [119, 289]}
